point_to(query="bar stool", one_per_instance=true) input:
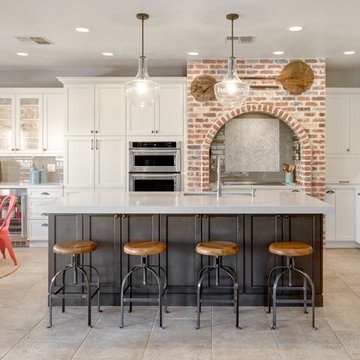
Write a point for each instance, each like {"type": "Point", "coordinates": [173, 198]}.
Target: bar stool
{"type": "Point", "coordinates": [290, 250]}
{"type": "Point", "coordinates": [217, 249]}
{"type": "Point", "coordinates": [75, 249]}
{"type": "Point", "coordinates": [144, 249]}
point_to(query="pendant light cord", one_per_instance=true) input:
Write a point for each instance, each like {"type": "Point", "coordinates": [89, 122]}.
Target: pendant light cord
{"type": "Point", "coordinates": [232, 38]}
{"type": "Point", "coordinates": [142, 37]}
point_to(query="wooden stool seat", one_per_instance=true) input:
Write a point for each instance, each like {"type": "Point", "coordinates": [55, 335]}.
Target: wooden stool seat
{"type": "Point", "coordinates": [144, 248]}
{"type": "Point", "coordinates": [217, 248]}
{"type": "Point", "coordinates": [75, 247]}
{"type": "Point", "coordinates": [291, 249]}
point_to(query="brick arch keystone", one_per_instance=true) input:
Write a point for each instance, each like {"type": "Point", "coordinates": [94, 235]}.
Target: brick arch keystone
{"type": "Point", "coordinates": [303, 173]}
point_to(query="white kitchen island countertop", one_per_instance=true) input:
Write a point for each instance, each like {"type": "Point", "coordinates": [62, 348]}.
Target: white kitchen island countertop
{"type": "Point", "coordinates": [123, 202]}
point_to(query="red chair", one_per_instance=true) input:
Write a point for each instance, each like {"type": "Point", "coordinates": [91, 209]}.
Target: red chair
{"type": "Point", "coordinates": [4, 228]}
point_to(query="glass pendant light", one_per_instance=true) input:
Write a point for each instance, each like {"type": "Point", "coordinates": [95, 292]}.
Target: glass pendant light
{"type": "Point", "coordinates": [231, 92]}
{"type": "Point", "coordinates": [142, 91]}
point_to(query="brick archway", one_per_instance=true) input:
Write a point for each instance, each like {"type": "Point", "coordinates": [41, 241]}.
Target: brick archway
{"type": "Point", "coordinates": [303, 172]}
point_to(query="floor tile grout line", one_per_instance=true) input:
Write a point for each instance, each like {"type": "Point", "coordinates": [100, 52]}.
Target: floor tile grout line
{"type": "Point", "coordinates": [348, 286]}
{"type": "Point", "coordinates": [273, 333]}
{"type": "Point", "coordinates": [150, 332]}
{"type": "Point", "coordinates": [87, 335]}
{"type": "Point", "coordinates": [27, 333]}
{"type": "Point", "coordinates": [339, 340]}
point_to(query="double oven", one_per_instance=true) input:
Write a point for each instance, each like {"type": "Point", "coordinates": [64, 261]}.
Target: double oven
{"type": "Point", "coordinates": [155, 166]}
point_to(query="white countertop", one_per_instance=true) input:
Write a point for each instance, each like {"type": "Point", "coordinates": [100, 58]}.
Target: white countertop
{"type": "Point", "coordinates": [25, 185]}
{"type": "Point", "coordinates": [121, 202]}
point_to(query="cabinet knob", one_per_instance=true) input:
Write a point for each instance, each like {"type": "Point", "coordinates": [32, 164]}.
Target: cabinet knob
{"type": "Point", "coordinates": [152, 131]}
{"type": "Point", "coordinates": [286, 216]}
{"type": "Point", "coordinates": [17, 149]}
{"type": "Point", "coordinates": [156, 131]}
{"type": "Point", "coordinates": [205, 216]}
{"type": "Point", "coordinates": [96, 131]}
{"type": "Point", "coordinates": [12, 149]}
{"type": "Point", "coordinates": [92, 131]}
{"type": "Point", "coordinates": [123, 216]}
{"type": "Point", "coordinates": [279, 216]}
{"type": "Point", "coordinates": [44, 149]}
{"type": "Point", "coordinates": [197, 215]}
{"type": "Point", "coordinates": [347, 150]}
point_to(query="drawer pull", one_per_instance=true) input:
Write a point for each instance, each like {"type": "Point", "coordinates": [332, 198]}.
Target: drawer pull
{"type": "Point", "coordinates": [44, 225]}
{"type": "Point", "coordinates": [44, 214]}
{"type": "Point", "coordinates": [330, 191]}
{"type": "Point", "coordinates": [295, 190]}
{"type": "Point", "coordinates": [45, 193]}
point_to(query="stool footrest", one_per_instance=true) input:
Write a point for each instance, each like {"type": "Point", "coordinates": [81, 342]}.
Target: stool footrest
{"type": "Point", "coordinates": [292, 301]}
{"type": "Point", "coordinates": [129, 300]}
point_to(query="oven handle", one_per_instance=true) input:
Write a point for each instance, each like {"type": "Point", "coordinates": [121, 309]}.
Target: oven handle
{"type": "Point", "coordinates": [155, 176]}
{"type": "Point", "coordinates": [155, 152]}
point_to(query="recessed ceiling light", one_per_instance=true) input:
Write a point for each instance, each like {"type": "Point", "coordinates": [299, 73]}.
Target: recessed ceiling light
{"type": "Point", "coordinates": [108, 54]}
{"type": "Point", "coordinates": [278, 52]}
{"type": "Point", "coordinates": [193, 53]}
{"type": "Point", "coordinates": [82, 29]}
{"type": "Point", "coordinates": [349, 52]}
{"type": "Point", "coordinates": [295, 28]}
{"type": "Point", "coordinates": [22, 54]}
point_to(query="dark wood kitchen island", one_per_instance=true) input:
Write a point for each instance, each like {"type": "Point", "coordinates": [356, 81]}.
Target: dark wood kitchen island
{"type": "Point", "coordinates": [114, 218]}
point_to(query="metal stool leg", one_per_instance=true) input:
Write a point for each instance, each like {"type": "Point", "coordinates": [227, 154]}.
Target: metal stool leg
{"type": "Point", "coordinates": [236, 294]}
{"type": "Point", "coordinates": [86, 277]}
{"type": "Point", "coordinates": [305, 296]}
{"type": "Point", "coordinates": [198, 298]}
{"type": "Point", "coordinates": [269, 285]}
{"type": "Point", "coordinates": [308, 278]}
{"type": "Point", "coordinates": [274, 297]}
{"type": "Point", "coordinates": [165, 284]}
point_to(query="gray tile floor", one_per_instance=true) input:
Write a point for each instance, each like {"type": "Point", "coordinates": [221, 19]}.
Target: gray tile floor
{"type": "Point", "coordinates": [24, 316]}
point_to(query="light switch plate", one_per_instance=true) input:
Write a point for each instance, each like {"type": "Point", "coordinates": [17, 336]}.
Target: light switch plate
{"type": "Point", "coordinates": [51, 168]}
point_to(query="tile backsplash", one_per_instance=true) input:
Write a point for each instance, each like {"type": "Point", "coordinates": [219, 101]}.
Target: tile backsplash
{"type": "Point", "coordinates": [285, 152]}
{"type": "Point", "coordinates": [17, 169]}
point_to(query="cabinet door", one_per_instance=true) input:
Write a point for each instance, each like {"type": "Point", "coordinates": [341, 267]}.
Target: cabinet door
{"type": "Point", "coordinates": [110, 165]}
{"type": "Point", "coordinates": [170, 120]}
{"type": "Point", "coordinates": [79, 161]}
{"type": "Point", "coordinates": [357, 215]}
{"type": "Point", "coordinates": [105, 230]}
{"type": "Point", "coordinates": [337, 124]}
{"type": "Point", "coordinates": [140, 121]}
{"type": "Point", "coordinates": [7, 124]}
{"type": "Point", "coordinates": [28, 124]}
{"type": "Point", "coordinates": [80, 109]}
{"type": "Point", "coordinates": [330, 218]}
{"type": "Point", "coordinates": [260, 232]}
{"type": "Point", "coordinates": [345, 214]}
{"type": "Point", "coordinates": [54, 123]}
{"type": "Point", "coordinates": [355, 124]}
{"type": "Point", "coordinates": [110, 109]}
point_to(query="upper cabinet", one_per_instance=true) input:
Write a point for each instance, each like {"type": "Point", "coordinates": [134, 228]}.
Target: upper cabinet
{"type": "Point", "coordinates": [164, 118]}
{"type": "Point", "coordinates": [31, 121]}
{"type": "Point", "coordinates": [110, 109]}
{"type": "Point", "coordinates": [79, 105]}
{"type": "Point", "coordinates": [342, 121]}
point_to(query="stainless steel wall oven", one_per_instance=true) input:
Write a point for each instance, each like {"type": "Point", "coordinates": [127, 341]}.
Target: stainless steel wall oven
{"type": "Point", "coordinates": [155, 166]}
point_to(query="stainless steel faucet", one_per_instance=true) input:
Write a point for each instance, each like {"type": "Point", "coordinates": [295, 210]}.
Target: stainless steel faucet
{"type": "Point", "coordinates": [218, 184]}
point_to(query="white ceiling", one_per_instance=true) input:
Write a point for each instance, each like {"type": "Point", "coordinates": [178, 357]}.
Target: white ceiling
{"type": "Point", "coordinates": [174, 28]}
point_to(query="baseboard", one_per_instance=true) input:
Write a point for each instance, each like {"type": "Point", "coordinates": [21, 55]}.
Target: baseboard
{"type": "Point", "coordinates": [38, 244]}
{"type": "Point", "coordinates": [341, 244]}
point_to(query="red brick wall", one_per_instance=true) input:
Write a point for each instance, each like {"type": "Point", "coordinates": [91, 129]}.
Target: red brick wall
{"type": "Point", "coordinates": [304, 113]}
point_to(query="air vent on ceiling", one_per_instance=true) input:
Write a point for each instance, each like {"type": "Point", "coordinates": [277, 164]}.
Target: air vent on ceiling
{"type": "Point", "coordinates": [34, 39]}
{"type": "Point", "coordinates": [242, 39]}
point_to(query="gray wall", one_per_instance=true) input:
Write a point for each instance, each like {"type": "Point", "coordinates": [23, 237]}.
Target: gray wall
{"type": "Point", "coordinates": [11, 77]}
{"type": "Point", "coordinates": [343, 77]}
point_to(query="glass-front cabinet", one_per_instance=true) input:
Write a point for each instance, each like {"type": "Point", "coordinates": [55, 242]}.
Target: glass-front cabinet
{"type": "Point", "coordinates": [28, 123]}
{"type": "Point", "coordinates": [7, 123]}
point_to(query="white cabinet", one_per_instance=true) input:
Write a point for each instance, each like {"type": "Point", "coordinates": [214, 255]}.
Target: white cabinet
{"type": "Point", "coordinates": [342, 121]}
{"type": "Point", "coordinates": [79, 161]}
{"type": "Point", "coordinates": [31, 121]}
{"type": "Point", "coordinates": [165, 117]}
{"type": "Point", "coordinates": [110, 166]}
{"type": "Point", "coordinates": [79, 105]}
{"type": "Point", "coordinates": [337, 124]}
{"type": "Point", "coordinates": [37, 223]}
{"type": "Point", "coordinates": [357, 215]}
{"type": "Point", "coordinates": [110, 109]}
{"type": "Point", "coordinates": [95, 162]}
{"type": "Point", "coordinates": [53, 129]}
{"type": "Point", "coordinates": [340, 226]}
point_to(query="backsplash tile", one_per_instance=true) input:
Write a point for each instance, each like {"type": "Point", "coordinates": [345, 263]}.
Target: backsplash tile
{"type": "Point", "coordinates": [286, 152]}
{"type": "Point", "coordinates": [17, 169]}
